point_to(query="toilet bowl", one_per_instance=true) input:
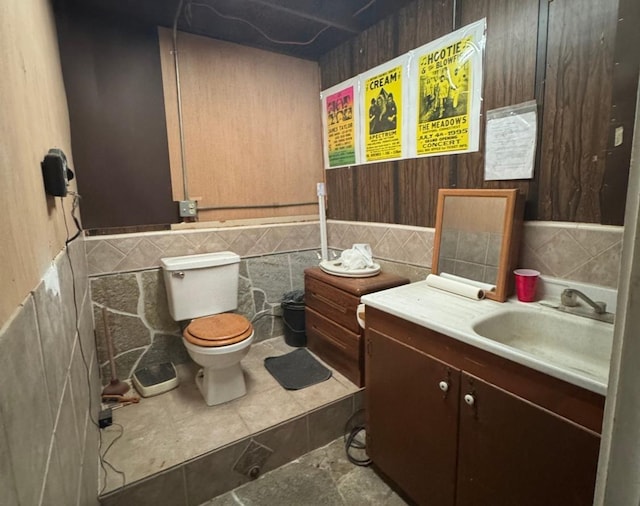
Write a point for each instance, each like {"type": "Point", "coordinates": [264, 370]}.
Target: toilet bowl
{"type": "Point", "coordinates": [201, 288]}
{"type": "Point", "coordinates": [218, 344]}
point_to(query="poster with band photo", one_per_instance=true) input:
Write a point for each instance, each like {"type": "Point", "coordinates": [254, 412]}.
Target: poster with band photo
{"type": "Point", "coordinates": [446, 87]}
{"type": "Point", "coordinates": [340, 124]}
{"type": "Point", "coordinates": [383, 100]}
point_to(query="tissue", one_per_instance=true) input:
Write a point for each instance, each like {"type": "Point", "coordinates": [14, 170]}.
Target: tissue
{"type": "Point", "coordinates": [358, 257]}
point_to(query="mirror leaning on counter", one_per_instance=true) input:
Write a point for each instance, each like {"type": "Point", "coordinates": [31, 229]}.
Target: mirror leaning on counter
{"type": "Point", "coordinates": [478, 237]}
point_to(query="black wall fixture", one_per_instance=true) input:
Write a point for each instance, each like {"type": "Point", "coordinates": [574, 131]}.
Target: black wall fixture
{"type": "Point", "coordinates": [56, 173]}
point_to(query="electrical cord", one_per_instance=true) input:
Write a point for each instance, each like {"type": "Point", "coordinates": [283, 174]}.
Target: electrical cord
{"type": "Point", "coordinates": [75, 298]}
{"type": "Point", "coordinates": [74, 206]}
{"type": "Point", "coordinates": [103, 459]}
{"type": "Point", "coordinates": [257, 316]}
{"type": "Point", "coordinates": [363, 8]}
{"type": "Point", "coordinates": [188, 14]}
{"type": "Point", "coordinates": [351, 440]}
{"type": "Point", "coordinates": [68, 240]}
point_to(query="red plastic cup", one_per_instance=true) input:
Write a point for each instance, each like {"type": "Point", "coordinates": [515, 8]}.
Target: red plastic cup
{"type": "Point", "coordinates": [526, 280]}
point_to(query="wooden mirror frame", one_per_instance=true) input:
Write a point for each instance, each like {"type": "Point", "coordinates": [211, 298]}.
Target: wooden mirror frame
{"type": "Point", "coordinates": [511, 233]}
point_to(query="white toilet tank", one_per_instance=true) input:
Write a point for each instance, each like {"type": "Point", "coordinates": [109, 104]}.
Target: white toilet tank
{"type": "Point", "coordinates": [201, 285]}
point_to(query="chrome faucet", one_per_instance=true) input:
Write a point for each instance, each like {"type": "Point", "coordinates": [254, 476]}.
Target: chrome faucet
{"type": "Point", "coordinates": [569, 300]}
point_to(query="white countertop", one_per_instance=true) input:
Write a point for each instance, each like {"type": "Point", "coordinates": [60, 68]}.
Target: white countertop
{"type": "Point", "coordinates": [454, 316]}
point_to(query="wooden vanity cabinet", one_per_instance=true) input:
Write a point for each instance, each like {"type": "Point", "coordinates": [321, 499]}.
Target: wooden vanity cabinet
{"type": "Point", "coordinates": [411, 430]}
{"type": "Point", "coordinates": [454, 425]}
{"type": "Point", "coordinates": [511, 451]}
{"type": "Point", "coordinates": [332, 329]}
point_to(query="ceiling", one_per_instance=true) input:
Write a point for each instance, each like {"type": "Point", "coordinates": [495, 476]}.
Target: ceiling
{"type": "Point", "coordinates": [303, 28]}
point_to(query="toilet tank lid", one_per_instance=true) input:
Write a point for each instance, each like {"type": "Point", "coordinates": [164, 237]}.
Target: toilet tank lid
{"type": "Point", "coordinates": [199, 261]}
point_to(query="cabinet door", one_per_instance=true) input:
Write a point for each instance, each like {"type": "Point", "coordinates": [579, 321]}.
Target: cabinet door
{"type": "Point", "coordinates": [412, 423]}
{"type": "Point", "coordinates": [512, 452]}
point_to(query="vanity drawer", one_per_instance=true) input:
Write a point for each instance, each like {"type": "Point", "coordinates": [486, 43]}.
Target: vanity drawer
{"type": "Point", "coordinates": [332, 302]}
{"type": "Point", "coordinates": [336, 345]}
{"type": "Point", "coordinates": [332, 327]}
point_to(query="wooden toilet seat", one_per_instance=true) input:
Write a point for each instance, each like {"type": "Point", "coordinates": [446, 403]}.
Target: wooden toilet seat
{"type": "Point", "coordinates": [218, 330]}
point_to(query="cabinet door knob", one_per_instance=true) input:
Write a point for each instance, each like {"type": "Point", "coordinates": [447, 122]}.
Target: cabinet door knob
{"type": "Point", "coordinates": [470, 399]}
{"type": "Point", "coordinates": [444, 386]}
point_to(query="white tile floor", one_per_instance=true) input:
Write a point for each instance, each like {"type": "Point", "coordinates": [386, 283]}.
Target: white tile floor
{"type": "Point", "coordinates": [174, 427]}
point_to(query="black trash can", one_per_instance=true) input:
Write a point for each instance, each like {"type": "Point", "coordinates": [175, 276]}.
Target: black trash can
{"type": "Point", "coordinates": [293, 319]}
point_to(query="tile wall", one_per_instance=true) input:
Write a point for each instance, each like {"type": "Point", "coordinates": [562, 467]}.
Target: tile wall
{"type": "Point", "coordinates": [400, 244]}
{"type": "Point", "coordinates": [143, 331]}
{"type": "Point", "coordinates": [473, 255]}
{"type": "Point", "coordinates": [573, 251]}
{"type": "Point", "coordinates": [50, 388]}
{"type": "Point", "coordinates": [135, 252]}
{"type": "Point", "coordinates": [126, 279]}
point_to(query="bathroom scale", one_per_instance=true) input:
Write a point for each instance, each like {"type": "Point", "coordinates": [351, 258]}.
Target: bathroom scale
{"type": "Point", "coordinates": [155, 379]}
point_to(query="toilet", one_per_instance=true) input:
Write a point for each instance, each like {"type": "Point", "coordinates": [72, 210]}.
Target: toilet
{"type": "Point", "coordinates": [202, 288]}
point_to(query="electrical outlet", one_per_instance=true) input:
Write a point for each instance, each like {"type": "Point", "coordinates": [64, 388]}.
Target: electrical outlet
{"type": "Point", "coordinates": [618, 136]}
{"type": "Point", "coordinates": [188, 208]}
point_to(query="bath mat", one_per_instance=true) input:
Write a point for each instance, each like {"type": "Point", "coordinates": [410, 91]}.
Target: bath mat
{"type": "Point", "coordinates": [296, 370]}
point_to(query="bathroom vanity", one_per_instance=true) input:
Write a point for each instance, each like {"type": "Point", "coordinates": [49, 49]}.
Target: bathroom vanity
{"type": "Point", "coordinates": [332, 329]}
{"type": "Point", "coordinates": [456, 418]}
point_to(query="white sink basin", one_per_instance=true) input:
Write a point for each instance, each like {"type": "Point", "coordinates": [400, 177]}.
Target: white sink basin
{"type": "Point", "coordinates": [567, 341]}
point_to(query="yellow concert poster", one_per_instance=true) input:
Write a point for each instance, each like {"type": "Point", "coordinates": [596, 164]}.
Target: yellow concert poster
{"type": "Point", "coordinates": [382, 92]}
{"type": "Point", "coordinates": [446, 86]}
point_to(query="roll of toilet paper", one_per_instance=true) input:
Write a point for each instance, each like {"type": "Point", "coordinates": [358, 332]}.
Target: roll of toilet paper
{"type": "Point", "coordinates": [449, 285]}
{"type": "Point", "coordinates": [360, 315]}
{"type": "Point", "coordinates": [485, 286]}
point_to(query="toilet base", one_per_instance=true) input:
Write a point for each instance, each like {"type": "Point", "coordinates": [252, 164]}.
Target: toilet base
{"type": "Point", "coordinates": [221, 385]}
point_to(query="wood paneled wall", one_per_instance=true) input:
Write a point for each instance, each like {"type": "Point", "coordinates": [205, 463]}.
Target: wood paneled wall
{"type": "Point", "coordinates": [251, 128]}
{"type": "Point", "coordinates": [390, 192]}
{"type": "Point", "coordinates": [560, 53]}
{"type": "Point", "coordinates": [114, 88]}
{"type": "Point", "coordinates": [34, 119]}
{"type": "Point", "coordinates": [577, 102]}
{"type": "Point", "coordinates": [622, 114]}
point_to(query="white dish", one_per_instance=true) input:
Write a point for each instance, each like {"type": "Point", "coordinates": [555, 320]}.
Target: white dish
{"type": "Point", "coordinates": [335, 267]}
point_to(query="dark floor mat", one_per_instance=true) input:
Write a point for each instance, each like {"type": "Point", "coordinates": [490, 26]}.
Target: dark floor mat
{"type": "Point", "coordinates": [296, 370]}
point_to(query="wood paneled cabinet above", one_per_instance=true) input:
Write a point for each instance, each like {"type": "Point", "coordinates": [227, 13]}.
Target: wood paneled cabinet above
{"type": "Point", "coordinates": [332, 328]}
{"type": "Point", "coordinates": [452, 425]}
